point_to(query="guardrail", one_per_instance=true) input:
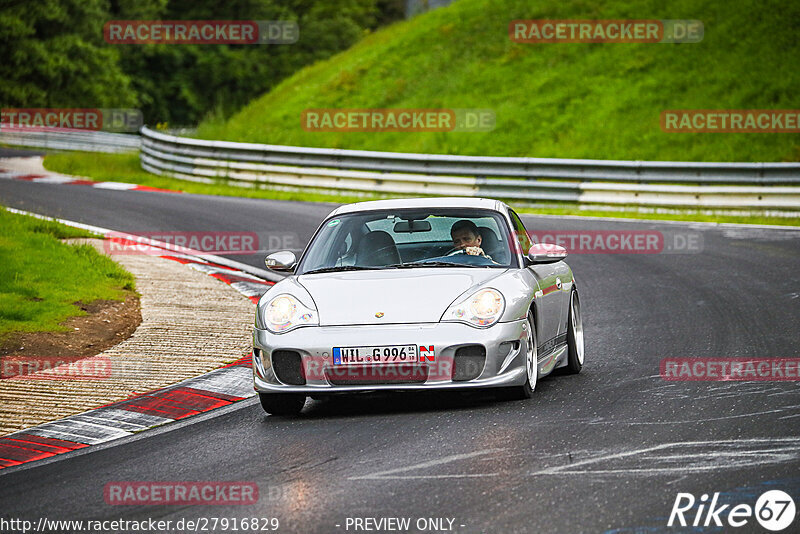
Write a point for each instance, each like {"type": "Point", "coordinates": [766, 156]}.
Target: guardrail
{"type": "Point", "coordinates": [81, 140]}
{"type": "Point", "coordinates": [707, 185]}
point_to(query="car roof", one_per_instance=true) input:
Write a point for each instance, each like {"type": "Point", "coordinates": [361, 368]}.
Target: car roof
{"type": "Point", "coordinates": [431, 202]}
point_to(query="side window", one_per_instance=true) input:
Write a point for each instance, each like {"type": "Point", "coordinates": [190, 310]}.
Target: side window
{"type": "Point", "coordinates": [522, 234]}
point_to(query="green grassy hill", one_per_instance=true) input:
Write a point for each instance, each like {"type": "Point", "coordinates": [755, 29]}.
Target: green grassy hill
{"type": "Point", "coordinates": [599, 100]}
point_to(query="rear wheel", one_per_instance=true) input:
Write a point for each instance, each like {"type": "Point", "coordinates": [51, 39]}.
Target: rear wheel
{"type": "Point", "coordinates": [531, 366]}
{"type": "Point", "coordinates": [575, 353]}
{"type": "Point", "coordinates": [282, 403]}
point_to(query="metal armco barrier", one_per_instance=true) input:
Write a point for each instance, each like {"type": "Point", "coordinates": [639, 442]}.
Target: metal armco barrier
{"type": "Point", "coordinates": [707, 185]}
{"type": "Point", "coordinates": [773, 186]}
{"type": "Point", "coordinates": [80, 140]}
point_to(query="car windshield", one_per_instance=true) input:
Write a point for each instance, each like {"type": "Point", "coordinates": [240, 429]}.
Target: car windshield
{"type": "Point", "coordinates": [410, 238]}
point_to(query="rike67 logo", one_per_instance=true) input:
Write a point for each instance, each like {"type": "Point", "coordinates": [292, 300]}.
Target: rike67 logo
{"type": "Point", "coordinates": [774, 510]}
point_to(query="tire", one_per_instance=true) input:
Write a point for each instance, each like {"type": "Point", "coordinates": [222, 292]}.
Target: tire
{"type": "Point", "coordinates": [282, 403]}
{"type": "Point", "coordinates": [575, 348]}
{"type": "Point", "coordinates": [531, 366]}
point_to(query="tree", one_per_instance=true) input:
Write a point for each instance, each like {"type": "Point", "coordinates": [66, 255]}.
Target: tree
{"type": "Point", "coordinates": [54, 56]}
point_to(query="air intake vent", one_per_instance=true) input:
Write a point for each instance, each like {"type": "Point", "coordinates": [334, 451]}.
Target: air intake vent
{"type": "Point", "coordinates": [366, 375]}
{"type": "Point", "coordinates": [469, 362]}
{"type": "Point", "coordinates": [288, 367]}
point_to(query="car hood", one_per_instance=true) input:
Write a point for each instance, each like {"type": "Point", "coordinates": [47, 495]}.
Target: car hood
{"type": "Point", "coordinates": [402, 296]}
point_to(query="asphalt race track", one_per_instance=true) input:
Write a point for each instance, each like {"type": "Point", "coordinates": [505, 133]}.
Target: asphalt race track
{"type": "Point", "coordinates": [607, 450]}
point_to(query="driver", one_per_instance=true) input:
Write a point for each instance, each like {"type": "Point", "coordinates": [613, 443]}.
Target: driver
{"type": "Point", "coordinates": [466, 237]}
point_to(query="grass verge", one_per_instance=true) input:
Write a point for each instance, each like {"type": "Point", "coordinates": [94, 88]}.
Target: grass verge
{"type": "Point", "coordinates": [41, 278]}
{"type": "Point", "coordinates": [633, 212]}
{"type": "Point", "coordinates": [125, 168]}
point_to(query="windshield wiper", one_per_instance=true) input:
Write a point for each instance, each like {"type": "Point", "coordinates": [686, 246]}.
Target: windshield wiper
{"type": "Point", "coordinates": [411, 265]}
{"type": "Point", "coordinates": [341, 268]}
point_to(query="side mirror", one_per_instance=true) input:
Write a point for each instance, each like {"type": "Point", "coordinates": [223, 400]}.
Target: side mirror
{"type": "Point", "coordinates": [284, 260]}
{"type": "Point", "coordinates": [546, 253]}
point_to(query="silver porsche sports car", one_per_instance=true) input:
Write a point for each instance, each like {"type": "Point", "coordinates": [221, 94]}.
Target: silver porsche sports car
{"type": "Point", "coordinates": [415, 294]}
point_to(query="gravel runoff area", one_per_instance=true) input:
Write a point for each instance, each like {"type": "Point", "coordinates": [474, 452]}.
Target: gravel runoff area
{"type": "Point", "coordinates": [191, 324]}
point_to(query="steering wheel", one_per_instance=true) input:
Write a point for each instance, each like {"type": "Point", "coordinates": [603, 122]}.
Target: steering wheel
{"type": "Point", "coordinates": [455, 250]}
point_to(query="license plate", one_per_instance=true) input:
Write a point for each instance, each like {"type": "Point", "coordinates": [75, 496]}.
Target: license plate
{"type": "Point", "coordinates": [375, 355]}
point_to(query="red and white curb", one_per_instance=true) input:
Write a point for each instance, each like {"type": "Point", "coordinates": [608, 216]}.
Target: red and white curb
{"type": "Point", "coordinates": [247, 284]}
{"type": "Point", "coordinates": [216, 389]}
{"type": "Point", "coordinates": [193, 396]}
{"type": "Point", "coordinates": [58, 179]}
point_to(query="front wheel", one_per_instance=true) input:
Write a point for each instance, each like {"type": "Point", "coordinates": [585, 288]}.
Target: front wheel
{"type": "Point", "coordinates": [575, 354]}
{"type": "Point", "coordinates": [282, 403]}
{"type": "Point", "coordinates": [531, 366]}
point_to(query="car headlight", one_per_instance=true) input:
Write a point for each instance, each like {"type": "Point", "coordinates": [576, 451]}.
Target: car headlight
{"type": "Point", "coordinates": [284, 312]}
{"type": "Point", "coordinates": [483, 308]}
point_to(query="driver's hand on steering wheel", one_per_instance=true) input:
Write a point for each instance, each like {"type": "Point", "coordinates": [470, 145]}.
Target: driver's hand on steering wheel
{"type": "Point", "coordinates": [474, 251]}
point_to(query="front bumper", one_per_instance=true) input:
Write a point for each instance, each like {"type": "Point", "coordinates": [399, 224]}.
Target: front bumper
{"type": "Point", "coordinates": [504, 345]}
